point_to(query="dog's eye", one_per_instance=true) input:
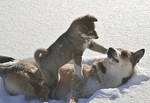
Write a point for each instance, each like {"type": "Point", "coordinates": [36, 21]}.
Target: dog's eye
{"type": "Point", "coordinates": [90, 32]}
{"type": "Point", "coordinates": [124, 54]}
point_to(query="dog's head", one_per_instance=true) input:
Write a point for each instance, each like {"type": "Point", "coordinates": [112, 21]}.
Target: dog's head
{"type": "Point", "coordinates": [124, 61]}
{"type": "Point", "coordinates": [84, 27]}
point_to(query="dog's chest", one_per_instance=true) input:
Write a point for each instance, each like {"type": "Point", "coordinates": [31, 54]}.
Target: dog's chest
{"type": "Point", "coordinates": [91, 87]}
{"type": "Point", "coordinates": [86, 45]}
{"type": "Point", "coordinates": [109, 81]}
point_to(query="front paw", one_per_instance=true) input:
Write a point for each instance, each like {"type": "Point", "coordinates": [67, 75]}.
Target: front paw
{"type": "Point", "coordinates": [71, 97]}
{"type": "Point", "coordinates": [43, 94]}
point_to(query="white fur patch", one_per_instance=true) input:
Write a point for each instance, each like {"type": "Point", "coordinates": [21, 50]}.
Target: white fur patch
{"type": "Point", "coordinates": [78, 70]}
{"type": "Point", "coordinates": [91, 87]}
{"type": "Point", "coordinates": [85, 45]}
{"type": "Point", "coordinates": [12, 88]}
{"type": "Point", "coordinates": [116, 72]}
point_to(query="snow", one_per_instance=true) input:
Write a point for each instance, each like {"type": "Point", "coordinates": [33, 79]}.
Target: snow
{"type": "Point", "coordinates": [26, 25]}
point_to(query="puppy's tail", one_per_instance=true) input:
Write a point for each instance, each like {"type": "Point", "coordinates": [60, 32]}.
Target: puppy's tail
{"type": "Point", "coordinates": [38, 53]}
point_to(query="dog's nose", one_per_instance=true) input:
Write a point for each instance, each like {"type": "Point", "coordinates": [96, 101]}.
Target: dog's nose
{"type": "Point", "coordinates": [96, 37]}
{"type": "Point", "coordinates": [111, 50]}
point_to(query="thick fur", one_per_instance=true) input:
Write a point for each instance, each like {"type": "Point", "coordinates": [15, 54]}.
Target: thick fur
{"type": "Point", "coordinates": [68, 46]}
{"type": "Point", "coordinates": [113, 71]}
{"type": "Point", "coordinates": [25, 78]}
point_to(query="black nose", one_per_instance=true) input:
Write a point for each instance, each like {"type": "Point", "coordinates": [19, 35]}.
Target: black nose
{"type": "Point", "coordinates": [96, 37]}
{"type": "Point", "coordinates": [95, 34]}
{"type": "Point", "coordinates": [110, 52]}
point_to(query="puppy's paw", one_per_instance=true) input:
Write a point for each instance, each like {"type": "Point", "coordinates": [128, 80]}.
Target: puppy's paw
{"type": "Point", "coordinates": [79, 77]}
{"type": "Point", "coordinates": [43, 94]}
{"type": "Point", "coordinates": [71, 98]}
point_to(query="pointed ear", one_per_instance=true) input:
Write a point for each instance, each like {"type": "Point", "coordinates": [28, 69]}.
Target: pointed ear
{"type": "Point", "coordinates": [92, 18]}
{"type": "Point", "coordinates": [138, 55]}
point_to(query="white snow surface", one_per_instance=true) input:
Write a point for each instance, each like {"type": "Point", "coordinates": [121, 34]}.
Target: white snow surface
{"type": "Point", "coordinates": [26, 25]}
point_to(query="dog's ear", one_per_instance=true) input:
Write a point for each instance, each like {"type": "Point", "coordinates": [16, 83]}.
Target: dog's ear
{"type": "Point", "coordinates": [90, 17]}
{"type": "Point", "coordinates": [81, 28]}
{"type": "Point", "coordinates": [138, 55]}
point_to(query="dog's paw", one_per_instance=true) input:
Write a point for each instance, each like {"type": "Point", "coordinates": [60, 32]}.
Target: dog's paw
{"type": "Point", "coordinates": [71, 98]}
{"type": "Point", "coordinates": [43, 94]}
{"type": "Point", "coordinates": [71, 101]}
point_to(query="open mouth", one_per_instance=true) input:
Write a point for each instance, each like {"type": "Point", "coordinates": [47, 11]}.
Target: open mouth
{"type": "Point", "coordinates": [111, 54]}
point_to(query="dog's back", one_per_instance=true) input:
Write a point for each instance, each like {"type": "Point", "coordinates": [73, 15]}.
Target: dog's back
{"type": "Point", "coordinates": [22, 78]}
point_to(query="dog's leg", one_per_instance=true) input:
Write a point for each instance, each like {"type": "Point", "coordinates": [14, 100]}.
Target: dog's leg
{"type": "Point", "coordinates": [70, 100]}
{"type": "Point", "coordinates": [97, 47]}
{"type": "Point", "coordinates": [43, 94]}
{"type": "Point", "coordinates": [50, 82]}
{"type": "Point", "coordinates": [72, 97]}
{"type": "Point", "coordinates": [77, 58]}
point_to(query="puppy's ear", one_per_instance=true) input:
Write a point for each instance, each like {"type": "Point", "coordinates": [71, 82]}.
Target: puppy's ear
{"type": "Point", "coordinates": [138, 55]}
{"type": "Point", "coordinates": [92, 18]}
{"type": "Point", "coordinates": [81, 28]}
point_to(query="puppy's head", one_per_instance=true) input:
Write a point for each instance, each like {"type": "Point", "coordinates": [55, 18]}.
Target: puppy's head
{"type": "Point", "coordinates": [84, 27]}
{"type": "Point", "coordinates": [124, 61]}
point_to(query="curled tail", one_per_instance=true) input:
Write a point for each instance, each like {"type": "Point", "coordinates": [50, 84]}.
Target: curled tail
{"type": "Point", "coordinates": [38, 54]}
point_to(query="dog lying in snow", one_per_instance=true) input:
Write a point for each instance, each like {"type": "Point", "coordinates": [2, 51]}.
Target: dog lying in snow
{"type": "Point", "coordinates": [24, 77]}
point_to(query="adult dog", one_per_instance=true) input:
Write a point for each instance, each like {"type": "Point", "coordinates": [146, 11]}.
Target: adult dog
{"type": "Point", "coordinates": [113, 71]}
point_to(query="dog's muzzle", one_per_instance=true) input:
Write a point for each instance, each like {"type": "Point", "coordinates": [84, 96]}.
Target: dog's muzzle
{"type": "Point", "coordinates": [111, 54]}
{"type": "Point", "coordinates": [96, 36]}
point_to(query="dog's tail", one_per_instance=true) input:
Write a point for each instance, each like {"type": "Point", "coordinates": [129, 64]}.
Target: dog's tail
{"type": "Point", "coordinates": [38, 53]}
{"type": "Point", "coordinates": [4, 59]}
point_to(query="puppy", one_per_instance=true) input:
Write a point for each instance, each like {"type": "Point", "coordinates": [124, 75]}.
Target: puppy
{"type": "Point", "coordinates": [69, 46]}
{"type": "Point", "coordinates": [24, 77]}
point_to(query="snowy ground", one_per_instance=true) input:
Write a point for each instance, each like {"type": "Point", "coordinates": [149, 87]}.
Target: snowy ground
{"type": "Point", "coordinates": [26, 25]}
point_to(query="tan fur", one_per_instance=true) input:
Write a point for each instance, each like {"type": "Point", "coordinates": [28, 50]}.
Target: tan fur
{"type": "Point", "coordinates": [68, 46]}
{"type": "Point", "coordinates": [25, 78]}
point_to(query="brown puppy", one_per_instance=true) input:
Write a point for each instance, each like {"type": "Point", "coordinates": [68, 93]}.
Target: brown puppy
{"type": "Point", "coordinates": [68, 46]}
{"type": "Point", "coordinates": [24, 77]}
